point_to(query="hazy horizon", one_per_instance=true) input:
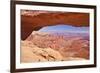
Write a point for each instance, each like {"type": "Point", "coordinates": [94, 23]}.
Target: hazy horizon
{"type": "Point", "coordinates": [64, 28]}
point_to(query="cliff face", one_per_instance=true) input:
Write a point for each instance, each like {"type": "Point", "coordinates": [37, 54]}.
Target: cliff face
{"type": "Point", "coordinates": [35, 20]}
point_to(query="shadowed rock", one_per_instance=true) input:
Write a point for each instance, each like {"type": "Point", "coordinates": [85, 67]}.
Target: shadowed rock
{"type": "Point", "coordinates": [34, 20]}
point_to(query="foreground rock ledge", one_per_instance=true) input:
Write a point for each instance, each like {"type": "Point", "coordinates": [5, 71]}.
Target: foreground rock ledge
{"type": "Point", "coordinates": [32, 53]}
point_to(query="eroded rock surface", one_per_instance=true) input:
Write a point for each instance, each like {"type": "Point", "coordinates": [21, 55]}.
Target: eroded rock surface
{"type": "Point", "coordinates": [32, 53]}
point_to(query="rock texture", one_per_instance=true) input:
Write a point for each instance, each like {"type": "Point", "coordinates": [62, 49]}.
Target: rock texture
{"type": "Point", "coordinates": [68, 46]}
{"type": "Point", "coordinates": [34, 20]}
{"type": "Point", "coordinates": [32, 53]}
{"type": "Point", "coordinates": [49, 47]}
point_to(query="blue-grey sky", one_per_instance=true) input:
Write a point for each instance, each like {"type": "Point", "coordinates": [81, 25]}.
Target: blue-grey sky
{"type": "Point", "coordinates": [64, 28]}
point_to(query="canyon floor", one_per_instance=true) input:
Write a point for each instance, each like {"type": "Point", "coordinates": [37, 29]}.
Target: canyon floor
{"type": "Point", "coordinates": [42, 47]}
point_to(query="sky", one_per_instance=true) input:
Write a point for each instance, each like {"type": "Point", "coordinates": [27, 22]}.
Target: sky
{"type": "Point", "coordinates": [64, 28]}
